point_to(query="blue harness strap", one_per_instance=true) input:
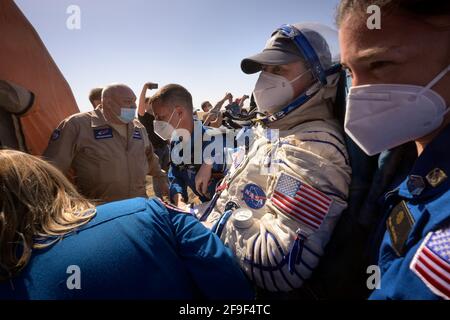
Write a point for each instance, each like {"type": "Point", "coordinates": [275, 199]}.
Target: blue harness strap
{"type": "Point", "coordinates": [307, 50]}
{"type": "Point", "coordinates": [218, 227]}
{"type": "Point", "coordinates": [210, 208]}
{"type": "Point", "coordinates": [296, 253]}
{"type": "Point", "coordinates": [213, 201]}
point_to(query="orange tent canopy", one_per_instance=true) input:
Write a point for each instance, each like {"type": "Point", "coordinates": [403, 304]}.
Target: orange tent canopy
{"type": "Point", "coordinates": [25, 60]}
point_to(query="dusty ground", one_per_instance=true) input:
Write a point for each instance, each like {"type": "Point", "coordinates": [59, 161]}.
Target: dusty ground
{"type": "Point", "coordinates": [150, 191]}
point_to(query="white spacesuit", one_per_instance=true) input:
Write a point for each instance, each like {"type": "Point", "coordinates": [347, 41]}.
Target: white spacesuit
{"type": "Point", "coordinates": [282, 199]}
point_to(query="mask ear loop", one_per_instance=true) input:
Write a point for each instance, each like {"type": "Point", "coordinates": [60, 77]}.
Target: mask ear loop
{"type": "Point", "coordinates": [178, 124]}
{"type": "Point", "coordinates": [433, 83]}
{"type": "Point", "coordinates": [171, 116]}
{"type": "Point", "coordinates": [300, 76]}
{"type": "Point", "coordinates": [175, 130]}
{"type": "Point", "coordinates": [446, 111]}
{"type": "Point", "coordinates": [435, 80]}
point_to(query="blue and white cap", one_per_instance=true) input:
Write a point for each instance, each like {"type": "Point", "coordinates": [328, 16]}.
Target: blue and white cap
{"type": "Point", "coordinates": [314, 43]}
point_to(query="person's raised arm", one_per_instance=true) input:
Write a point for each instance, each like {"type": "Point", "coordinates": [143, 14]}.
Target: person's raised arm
{"type": "Point", "coordinates": [142, 104]}
{"type": "Point", "coordinates": [214, 120]}
{"type": "Point", "coordinates": [242, 101]}
{"type": "Point", "coordinates": [219, 104]}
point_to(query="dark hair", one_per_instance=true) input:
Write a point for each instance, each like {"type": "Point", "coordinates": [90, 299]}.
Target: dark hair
{"type": "Point", "coordinates": [424, 8]}
{"type": "Point", "coordinates": [173, 93]}
{"type": "Point", "coordinates": [204, 104]}
{"type": "Point", "coordinates": [95, 94]}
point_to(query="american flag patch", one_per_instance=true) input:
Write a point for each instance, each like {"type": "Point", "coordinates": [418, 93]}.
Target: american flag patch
{"type": "Point", "coordinates": [432, 264]}
{"type": "Point", "coordinates": [300, 201]}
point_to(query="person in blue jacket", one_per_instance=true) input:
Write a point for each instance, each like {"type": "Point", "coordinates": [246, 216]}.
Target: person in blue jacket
{"type": "Point", "coordinates": [400, 77]}
{"type": "Point", "coordinates": [197, 152]}
{"type": "Point", "coordinates": [181, 176]}
{"type": "Point", "coordinates": [54, 244]}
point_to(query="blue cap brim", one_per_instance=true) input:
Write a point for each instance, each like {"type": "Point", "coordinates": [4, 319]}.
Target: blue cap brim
{"type": "Point", "coordinates": [269, 57]}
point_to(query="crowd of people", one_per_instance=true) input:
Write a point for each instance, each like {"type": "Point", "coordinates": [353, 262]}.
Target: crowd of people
{"type": "Point", "coordinates": [326, 180]}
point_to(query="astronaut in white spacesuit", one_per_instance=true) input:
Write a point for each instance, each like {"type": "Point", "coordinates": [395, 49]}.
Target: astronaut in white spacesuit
{"type": "Point", "coordinates": [280, 201]}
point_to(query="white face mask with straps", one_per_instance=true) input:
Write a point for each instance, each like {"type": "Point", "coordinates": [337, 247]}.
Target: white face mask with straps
{"type": "Point", "coordinates": [383, 116]}
{"type": "Point", "coordinates": [273, 92]}
{"type": "Point", "coordinates": [164, 129]}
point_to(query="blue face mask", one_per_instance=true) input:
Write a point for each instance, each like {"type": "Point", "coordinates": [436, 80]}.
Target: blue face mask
{"type": "Point", "coordinates": [127, 114]}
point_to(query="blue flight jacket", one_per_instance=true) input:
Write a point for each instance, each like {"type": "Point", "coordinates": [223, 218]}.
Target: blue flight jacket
{"type": "Point", "coordinates": [414, 254]}
{"type": "Point", "coordinates": [133, 249]}
{"type": "Point", "coordinates": [181, 176]}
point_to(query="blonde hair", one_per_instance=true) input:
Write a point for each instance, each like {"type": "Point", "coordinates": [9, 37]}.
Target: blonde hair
{"type": "Point", "coordinates": [38, 206]}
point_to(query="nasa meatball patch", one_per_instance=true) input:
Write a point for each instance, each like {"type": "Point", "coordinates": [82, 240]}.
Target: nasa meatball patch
{"type": "Point", "coordinates": [254, 196]}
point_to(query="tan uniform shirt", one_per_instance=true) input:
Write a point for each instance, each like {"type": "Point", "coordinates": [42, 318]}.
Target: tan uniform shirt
{"type": "Point", "coordinates": [107, 166]}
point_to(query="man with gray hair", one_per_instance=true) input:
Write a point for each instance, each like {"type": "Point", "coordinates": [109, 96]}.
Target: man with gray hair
{"type": "Point", "coordinates": [108, 149]}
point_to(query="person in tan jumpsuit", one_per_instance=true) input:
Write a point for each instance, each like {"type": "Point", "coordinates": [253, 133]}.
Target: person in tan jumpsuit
{"type": "Point", "coordinates": [108, 150]}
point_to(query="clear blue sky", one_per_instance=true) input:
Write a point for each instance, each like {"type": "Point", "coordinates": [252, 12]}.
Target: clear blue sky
{"type": "Point", "coordinates": [196, 43]}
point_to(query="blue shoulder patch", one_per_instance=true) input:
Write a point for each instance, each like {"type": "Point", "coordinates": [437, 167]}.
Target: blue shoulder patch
{"type": "Point", "coordinates": [105, 133]}
{"type": "Point", "coordinates": [56, 135]}
{"type": "Point", "coordinates": [137, 134]}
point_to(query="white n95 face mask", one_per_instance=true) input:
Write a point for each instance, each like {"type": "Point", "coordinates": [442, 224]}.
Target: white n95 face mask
{"type": "Point", "coordinates": [164, 129]}
{"type": "Point", "coordinates": [273, 91]}
{"type": "Point", "coordinates": [383, 116]}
